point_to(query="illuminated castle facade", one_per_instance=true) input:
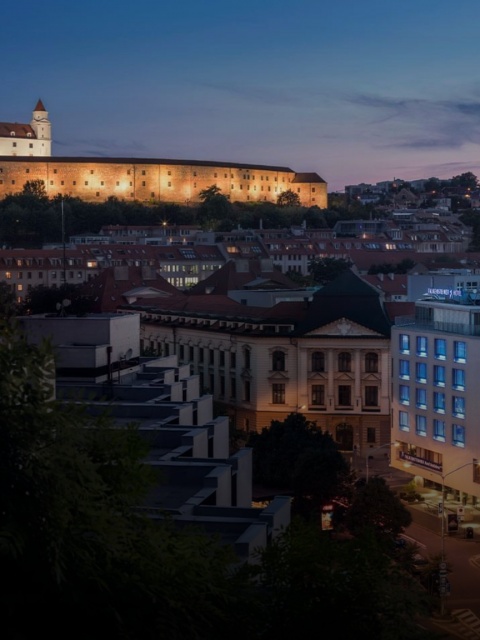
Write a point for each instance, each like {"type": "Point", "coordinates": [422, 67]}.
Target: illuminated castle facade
{"type": "Point", "coordinates": [25, 155]}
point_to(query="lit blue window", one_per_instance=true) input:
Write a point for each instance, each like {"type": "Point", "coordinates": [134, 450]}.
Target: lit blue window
{"type": "Point", "coordinates": [458, 406]}
{"type": "Point", "coordinates": [458, 379]}
{"type": "Point", "coordinates": [439, 402]}
{"type": "Point", "coordinates": [458, 435]}
{"type": "Point", "coordinates": [404, 421]}
{"type": "Point", "coordinates": [404, 369]}
{"type": "Point", "coordinates": [439, 430]}
{"type": "Point", "coordinates": [421, 371]}
{"type": "Point", "coordinates": [421, 425]}
{"type": "Point", "coordinates": [422, 344]}
{"type": "Point", "coordinates": [440, 348]}
{"type": "Point", "coordinates": [404, 394]}
{"type": "Point", "coordinates": [404, 343]}
{"type": "Point", "coordinates": [460, 351]}
{"type": "Point", "coordinates": [421, 398]}
{"type": "Point", "coordinates": [439, 375]}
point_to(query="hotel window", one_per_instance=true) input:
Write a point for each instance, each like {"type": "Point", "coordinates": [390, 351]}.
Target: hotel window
{"type": "Point", "coordinates": [222, 385]}
{"type": "Point", "coordinates": [439, 430]}
{"type": "Point", "coordinates": [404, 394]}
{"type": "Point", "coordinates": [246, 390]}
{"type": "Point", "coordinates": [278, 393]}
{"type": "Point", "coordinates": [458, 379]}
{"type": "Point", "coordinates": [404, 343]}
{"type": "Point", "coordinates": [318, 394]}
{"type": "Point", "coordinates": [460, 351]}
{"type": "Point", "coordinates": [345, 395]}
{"type": "Point", "coordinates": [422, 344]}
{"type": "Point", "coordinates": [222, 358]}
{"type": "Point", "coordinates": [246, 358]}
{"type": "Point", "coordinates": [182, 352]}
{"type": "Point", "coordinates": [439, 402]}
{"type": "Point", "coordinates": [421, 425]}
{"type": "Point", "coordinates": [458, 435]}
{"type": "Point", "coordinates": [318, 361]}
{"type": "Point", "coordinates": [404, 369]}
{"type": "Point", "coordinates": [421, 398]}
{"type": "Point", "coordinates": [458, 406]}
{"type": "Point", "coordinates": [233, 360]}
{"type": "Point", "coordinates": [421, 371]}
{"type": "Point", "coordinates": [278, 361]}
{"type": "Point", "coordinates": [344, 361]}
{"type": "Point", "coordinates": [439, 375]}
{"type": "Point", "coordinates": [440, 348]}
{"type": "Point", "coordinates": [371, 396]}
{"type": "Point", "coordinates": [404, 421]}
{"type": "Point", "coordinates": [371, 362]}
{"type": "Point", "coordinates": [211, 356]}
{"type": "Point", "coordinates": [233, 388]}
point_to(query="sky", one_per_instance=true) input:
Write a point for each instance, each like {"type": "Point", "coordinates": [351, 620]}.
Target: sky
{"type": "Point", "coordinates": [354, 90]}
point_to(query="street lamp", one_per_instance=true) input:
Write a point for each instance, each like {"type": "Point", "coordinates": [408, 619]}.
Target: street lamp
{"type": "Point", "coordinates": [443, 566]}
{"type": "Point", "coordinates": [388, 444]}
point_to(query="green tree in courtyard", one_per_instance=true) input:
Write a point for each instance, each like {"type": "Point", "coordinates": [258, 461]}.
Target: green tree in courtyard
{"type": "Point", "coordinates": [325, 270]}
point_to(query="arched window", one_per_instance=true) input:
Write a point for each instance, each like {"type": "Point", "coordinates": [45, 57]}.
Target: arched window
{"type": "Point", "coordinates": [278, 361]}
{"type": "Point", "coordinates": [344, 361]}
{"type": "Point", "coordinates": [246, 358]}
{"type": "Point", "coordinates": [371, 362]}
{"type": "Point", "coordinates": [318, 361]}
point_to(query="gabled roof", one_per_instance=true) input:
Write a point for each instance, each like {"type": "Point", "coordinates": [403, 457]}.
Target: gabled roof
{"type": "Point", "coordinates": [349, 297]}
{"type": "Point", "coordinates": [39, 106]}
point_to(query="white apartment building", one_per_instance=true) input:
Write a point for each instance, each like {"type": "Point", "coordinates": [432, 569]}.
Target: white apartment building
{"type": "Point", "coordinates": [436, 394]}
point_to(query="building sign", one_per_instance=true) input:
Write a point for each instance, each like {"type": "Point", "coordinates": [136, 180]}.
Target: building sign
{"type": "Point", "coordinates": [421, 462]}
{"type": "Point", "coordinates": [445, 293]}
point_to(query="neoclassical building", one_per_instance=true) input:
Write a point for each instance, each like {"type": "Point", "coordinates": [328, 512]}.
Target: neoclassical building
{"type": "Point", "coordinates": [25, 155]}
{"type": "Point", "coordinates": [327, 357]}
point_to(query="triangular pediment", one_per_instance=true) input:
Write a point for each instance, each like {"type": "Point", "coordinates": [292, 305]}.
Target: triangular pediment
{"type": "Point", "coordinates": [318, 376]}
{"type": "Point", "coordinates": [278, 375]}
{"type": "Point", "coordinates": [371, 377]}
{"type": "Point", "coordinates": [344, 377]}
{"type": "Point", "coordinates": [343, 327]}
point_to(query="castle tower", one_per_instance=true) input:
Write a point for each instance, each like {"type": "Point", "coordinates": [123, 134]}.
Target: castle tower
{"type": "Point", "coordinates": [43, 130]}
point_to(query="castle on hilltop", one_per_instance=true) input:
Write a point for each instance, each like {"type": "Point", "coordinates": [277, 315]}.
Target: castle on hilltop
{"type": "Point", "coordinates": [25, 155]}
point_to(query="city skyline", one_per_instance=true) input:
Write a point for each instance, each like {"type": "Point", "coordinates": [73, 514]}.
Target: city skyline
{"type": "Point", "coordinates": [356, 93]}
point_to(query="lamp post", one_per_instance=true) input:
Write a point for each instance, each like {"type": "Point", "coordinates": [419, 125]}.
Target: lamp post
{"type": "Point", "coordinates": [388, 444]}
{"type": "Point", "coordinates": [443, 566]}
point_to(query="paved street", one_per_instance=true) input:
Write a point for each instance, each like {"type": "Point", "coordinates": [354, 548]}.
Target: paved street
{"type": "Point", "coordinates": [462, 606]}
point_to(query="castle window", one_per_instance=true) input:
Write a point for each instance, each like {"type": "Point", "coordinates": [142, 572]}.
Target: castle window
{"type": "Point", "coordinates": [313, 189]}
{"type": "Point", "coordinates": [62, 182]}
{"type": "Point", "coordinates": [97, 193]}
{"type": "Point", "coordinates": [225, 175]}
{"type": "Point", "coordinates": [231, 186]}
{"type": "Point", "coordinates": [131, 184]}
{"type": "Point", "coordinates": [74, 182]}
{"type": "Point", "coordinates": [51, 182]}
{"type": "Point", "coordinates": [169, 184]}
{"type": "Point", "coordinates": [275, 178]}
{"type": "Point", "coordinates": [194, 185]}
{"type": "Point", "coordinates": [14, 144]}
{"type": "Point", "coordinates": [143, 172]}
{"type": "Point", "coordinates": [298, 189]}
{"type": "Point", "coordinates": [143, 183]}
{"type": "Point", "coordinates": [31, 145]}
{"type": "Point", "coordinates": [54, 171]}
{"type": "Point", "coordinates": [102, 183]}
{"type": "Point", "coordinates": [27, 170]}
{"type": "Point", "coordinates": [169, 173]}
{"type": "Point", "coordinates": [91, 171]}
{"type": "Point", "coordinates": [214, 175]}
{"type": "Point", "coordinates": [128, 172]}
{"type": "Point", "coordinates": [86, 183]}
{"type": "Point", "coordinates": [231, 175]}
{"type": "Point", "coordinates": [13, 181]}
{"type": "Point", "coordinates": [194, 173]}
{"type": "Point", "coordinates": [118, 184]}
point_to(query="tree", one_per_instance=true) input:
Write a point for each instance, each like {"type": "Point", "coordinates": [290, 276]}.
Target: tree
{"type": "Point", "coordinates": [288, 198]}
{"type": "Point", "coordinates": [215, 209]}
{"type": "Point", "coordinates": [376, 507]}
{"type": "Point", "coordinates": [325, 270]}
{"type": "Point", "coordinates": [305, 579]}
{"type": "Point", "coordinates": [466, 180]}
{"type": "Point", "coordinates": [71, 544]}
{"type": "Point", "coordinates": [294, 455]}
{"type": "Point", "coordinates": [35, 189]}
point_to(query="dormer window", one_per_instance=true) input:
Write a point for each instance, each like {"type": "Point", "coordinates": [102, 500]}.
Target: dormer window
{"type": "Point", "coordinates": [12, 133]}
{"type": "Point", "coordinates": [29, 135]}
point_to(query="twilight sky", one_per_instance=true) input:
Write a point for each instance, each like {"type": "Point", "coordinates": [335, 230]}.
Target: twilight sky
{"type": "Point", "coordinates": [355, 90]}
